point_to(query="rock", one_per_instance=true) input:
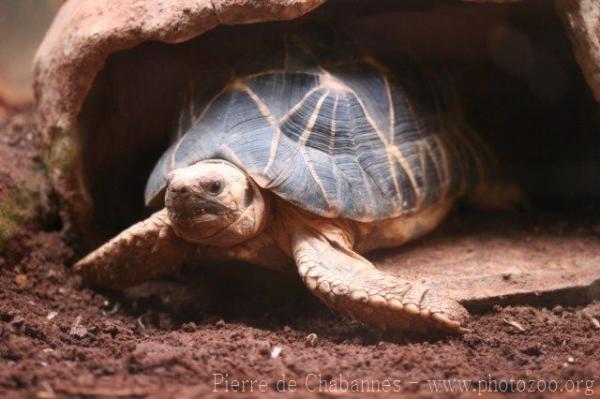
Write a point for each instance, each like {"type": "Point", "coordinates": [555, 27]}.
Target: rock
{"type": "Point", "coordinates": [264, 348]}
{"type": "Point", "coordinates": [22, 281]}
{"type": "Point", "coordinates": [77, 329]}
{"type": "Point", "coordinates": [582, 22]}
{"type": "Point", "coordinates": [25, 190]}
{"type": "Point", "coordinates": [311, 340]}
{"type": "Point", "coordinates": [276, 351]}
{"type": "Point", "coordinates": [545, 267]}
{"type": "Point", "coordinates": [81, 38]}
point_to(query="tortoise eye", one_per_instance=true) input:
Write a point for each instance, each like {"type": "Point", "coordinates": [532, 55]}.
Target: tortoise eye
{"type": "Point", "coordinates": [215, 187]}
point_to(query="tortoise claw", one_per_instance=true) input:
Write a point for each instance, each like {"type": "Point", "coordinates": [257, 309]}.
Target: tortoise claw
{"type": "Point", "coordinates": [146, 250]}
{"type": "Point", "coordinates": [351, 285]}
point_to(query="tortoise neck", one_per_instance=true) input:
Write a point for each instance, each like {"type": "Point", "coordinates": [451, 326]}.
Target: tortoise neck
{"type": "Point", "coordinates": [289, 220]}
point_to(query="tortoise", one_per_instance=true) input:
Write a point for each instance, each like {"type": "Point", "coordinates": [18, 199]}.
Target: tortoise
{"type": "Point", "coordinates": [320, 155]}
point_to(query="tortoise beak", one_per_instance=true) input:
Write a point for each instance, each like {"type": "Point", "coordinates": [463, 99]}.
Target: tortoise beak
{"type": "Point", "coordinates": [187, 204]}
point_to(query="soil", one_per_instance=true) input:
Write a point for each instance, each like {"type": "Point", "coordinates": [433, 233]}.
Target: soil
{"type": "Point", "coordinates": [260, 331]}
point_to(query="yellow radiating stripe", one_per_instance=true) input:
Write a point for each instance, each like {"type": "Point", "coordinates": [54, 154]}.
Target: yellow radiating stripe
{"type": "Point", "coordinates": [389, 149]}
{"type": "Point", "coordinates": [332, 150]}
{"type": "Point", "coordinates": [275, 144]}
{"type": "Point", "coordinates": [195, 119]}
{"type": "Point", "coordinates": [392, 131]}
{"type": "Point", "coordinates": [302, 143]}
{"type": "Point", "coordinates": [384, 72]}
{"type": "Point", "coordinates": [300, 103]}
{"type": "Point", "coordinates": [263, 73]}
{"type": "Point", "coordinates": [312, 120]}
{"type": "Point", "coordinates": [411, 110]}
{"type": "Point", "coordinates": [228, 86]}
{"type": "Point", "coordinates": [442, 171]}
{"type": "Point", "coordinates": [391, 111]}
{"type": "Point", "coordinates": [341, 87]}
{"type": "Point", "coordinates": [264, 110]}
{"type": "Point", "coordinates": [333, 126]}
{"type": "Point", "coordinates": [198, 118]}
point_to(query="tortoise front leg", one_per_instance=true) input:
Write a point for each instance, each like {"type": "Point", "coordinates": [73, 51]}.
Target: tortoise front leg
{"type": "Point", "coordinates": [148, 249]}
{"type": "Point", "coordinates": [351, 285]}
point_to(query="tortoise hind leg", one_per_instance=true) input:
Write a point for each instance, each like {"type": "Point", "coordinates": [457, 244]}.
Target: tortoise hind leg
{"type": "Point", "coordinates": [148, 249]}
{"type": "Point", "coordinates": [351, 285]}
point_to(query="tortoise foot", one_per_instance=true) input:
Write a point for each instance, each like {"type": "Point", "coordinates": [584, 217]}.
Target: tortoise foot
{"type": "Point", "coordinates": [351, 285]}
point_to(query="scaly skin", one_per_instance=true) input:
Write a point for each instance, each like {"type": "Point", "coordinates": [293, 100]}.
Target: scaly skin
{"type": "Point", "coordinates": [233, 219]}
{"type": "Point", "coordinates": [351, 285]}
{"type": "Point", "coordinates": [147, 250]}
{"type": "Point", "coordinates": [322, 250]}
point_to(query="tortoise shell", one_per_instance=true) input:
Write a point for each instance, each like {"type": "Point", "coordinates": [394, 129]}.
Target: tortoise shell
{"type": "Point", "coordinates": [330, 130]}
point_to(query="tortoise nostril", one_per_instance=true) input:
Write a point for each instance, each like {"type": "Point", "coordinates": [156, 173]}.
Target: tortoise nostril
{"type": "Point", "coordinates": [179, 189]}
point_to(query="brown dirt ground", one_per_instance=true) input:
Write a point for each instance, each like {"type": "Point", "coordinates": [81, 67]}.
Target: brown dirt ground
{"type": "Point", "coordinates": [169, 338]}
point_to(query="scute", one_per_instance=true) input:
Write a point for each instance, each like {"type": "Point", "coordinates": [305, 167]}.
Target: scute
{"type": "Point", "coordinates": [281, 91]}
{"type": "Point", "coordinates": [338, 137]}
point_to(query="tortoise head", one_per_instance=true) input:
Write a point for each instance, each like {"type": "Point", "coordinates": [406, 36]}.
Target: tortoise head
{"type": "Point", "coordinates": [215, 203]}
